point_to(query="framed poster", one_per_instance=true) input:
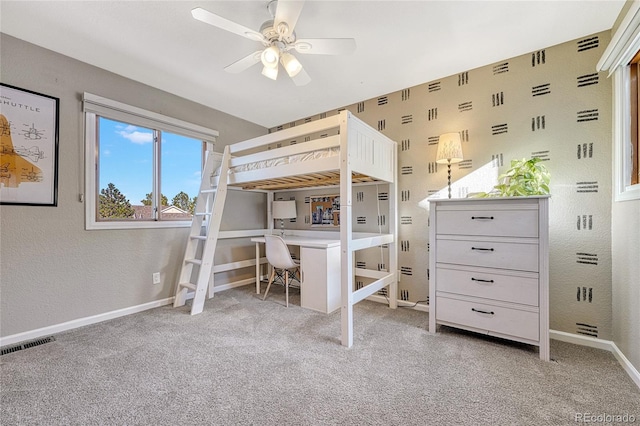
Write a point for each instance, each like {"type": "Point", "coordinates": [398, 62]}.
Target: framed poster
{"type": "Point", "coordinates": [28, 147]}
{"type": "Point", "coordinates": [325, 210]}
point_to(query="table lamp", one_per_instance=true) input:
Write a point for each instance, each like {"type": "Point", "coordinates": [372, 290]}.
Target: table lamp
{"type": "Point", "coordinates": [284, 210]}
{"type": "Point", "coordinates": [449, 152]}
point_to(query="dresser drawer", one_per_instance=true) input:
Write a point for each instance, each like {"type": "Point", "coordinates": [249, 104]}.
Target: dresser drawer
{"type": "Point", "coordinates": [497, 319]}
{"type": "Point", "coordinates": [489, 254]}
{"type": "Point", "coordinates": [495, 223]}
{"type": "Point", "coordinates": [490, 284]}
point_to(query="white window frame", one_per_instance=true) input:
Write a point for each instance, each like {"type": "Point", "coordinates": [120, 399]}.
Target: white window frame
{"type": "Point", "coordinates": [621, 50]}
{"type": "Point", "coordinates": [94, 106]}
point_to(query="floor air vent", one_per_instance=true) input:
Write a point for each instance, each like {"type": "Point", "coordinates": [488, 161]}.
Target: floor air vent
{"type": "Point", "coordinates": [27, 345]}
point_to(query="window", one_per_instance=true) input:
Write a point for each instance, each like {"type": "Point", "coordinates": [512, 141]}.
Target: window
{"type": "Point", "coordinates": [634, 98]}
{"type": "Point", "coordinates": [143, 170]}
{"type": "Point", "coordinates": [621, 60]}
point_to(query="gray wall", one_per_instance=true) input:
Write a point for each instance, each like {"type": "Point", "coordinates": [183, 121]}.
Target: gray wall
{"type": "Point", "coordinates": [625, 255]}
{"type": "Point", "coordinates": [52, 270]}
{"type": "Point", "coordinates": [625, 250]}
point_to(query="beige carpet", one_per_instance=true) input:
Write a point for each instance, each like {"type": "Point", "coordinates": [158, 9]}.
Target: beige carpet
{"type": "Point", "coordinates": [248, 362]}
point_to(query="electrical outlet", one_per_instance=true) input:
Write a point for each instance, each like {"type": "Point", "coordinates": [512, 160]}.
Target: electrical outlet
{"type": "Point", "coordinates": [156, 277]}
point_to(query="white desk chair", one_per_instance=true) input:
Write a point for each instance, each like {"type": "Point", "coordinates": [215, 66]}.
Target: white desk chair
{"type": "Point", "coordinates": [280, 259]}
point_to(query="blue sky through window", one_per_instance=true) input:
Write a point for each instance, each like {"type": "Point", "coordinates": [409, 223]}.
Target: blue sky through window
{"type": "Point", "coordinates": [181, 165]}
{"type": "Point", "coordinates": [126, 160]}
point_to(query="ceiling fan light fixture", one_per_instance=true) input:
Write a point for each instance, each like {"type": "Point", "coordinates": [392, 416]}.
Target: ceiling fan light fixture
{"type": "Point", "coordinates": [271, 73]}
{"type": "Point", "coordinates": [290, 64]}
{"type": "Point", "coordinates": [277, 37]}
{"type": "Point", "coordinates": [270, 57]}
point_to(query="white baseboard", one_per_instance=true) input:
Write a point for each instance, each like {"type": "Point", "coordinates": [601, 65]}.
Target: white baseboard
{"type": "Point", "coordinates": [381, 299]}
{"type": "Point", "coordinates": [239, 283]}
{"type": "Point", "coordinates": [607, 345]}
{"type": "Point", "coordinates": [81, 322]}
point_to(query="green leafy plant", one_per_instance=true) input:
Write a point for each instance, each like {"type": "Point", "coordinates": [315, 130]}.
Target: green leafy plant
{"type": "Point", "coordinates": [525, 177]}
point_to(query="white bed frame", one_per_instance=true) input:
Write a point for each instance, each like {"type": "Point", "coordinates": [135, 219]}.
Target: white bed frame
{"type": "Point", "coordinates": [366, 156]}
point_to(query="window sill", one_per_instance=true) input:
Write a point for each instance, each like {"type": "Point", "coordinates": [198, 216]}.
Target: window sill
{"type": "Point", "coordinates": [96, 226]}
{"type": "Point", "coordinates": [628, 194]}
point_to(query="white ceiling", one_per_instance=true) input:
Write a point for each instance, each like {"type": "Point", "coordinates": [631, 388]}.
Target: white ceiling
{"type": "Point", "coordinates": [399, 44]}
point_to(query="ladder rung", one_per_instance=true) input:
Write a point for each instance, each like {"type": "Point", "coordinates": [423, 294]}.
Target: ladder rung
{"type": "Point", "coordinates": [211, 201]}
{"type": "Point", "coordinates": [188, 285]}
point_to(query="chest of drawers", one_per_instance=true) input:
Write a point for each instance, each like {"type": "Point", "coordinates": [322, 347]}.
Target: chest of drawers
{"type": "Point", "coordinates": [489, 267]}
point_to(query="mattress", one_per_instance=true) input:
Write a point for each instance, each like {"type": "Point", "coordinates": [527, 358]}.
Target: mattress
{"type": "Point", "coordinates": [291, 159]}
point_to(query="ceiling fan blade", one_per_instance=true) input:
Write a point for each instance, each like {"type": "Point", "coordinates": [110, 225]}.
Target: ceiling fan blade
{"type": "Point", "coordinates": [244, 63]}
{"type": "Point", "coordinates": [218, 21]}
{"type": "Point", "coordinates": [301, 78]}
{"type": "Point", "coordinates": [325, 46]}
{"type": "Point", "coordinates": [288, 12]}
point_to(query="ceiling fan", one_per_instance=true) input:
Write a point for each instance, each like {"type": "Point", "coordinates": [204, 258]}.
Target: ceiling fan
{"type": "Point", "coordinates": [278, 38]}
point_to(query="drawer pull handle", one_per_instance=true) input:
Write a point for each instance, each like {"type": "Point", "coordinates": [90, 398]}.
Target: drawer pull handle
{"type": "Point", "coordinates": [483, 312]}
{"type": "Point", "coordinates": [481, 249]}
{"type": "Point", "coordinates": [481, 280]}
{"type": "Point", "coordinates": [482, 217]}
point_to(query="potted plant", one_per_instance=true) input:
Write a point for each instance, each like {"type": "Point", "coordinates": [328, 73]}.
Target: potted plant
{"type": "Point", "coordinates": [524, 178]}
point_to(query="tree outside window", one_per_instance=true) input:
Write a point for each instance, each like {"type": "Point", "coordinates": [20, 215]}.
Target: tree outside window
{"type": "Point", "coordinates": [134, 160]}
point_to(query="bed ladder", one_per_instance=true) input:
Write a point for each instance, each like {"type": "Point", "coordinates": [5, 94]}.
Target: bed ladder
{"type": "Point", "coordinates": [203, 236]}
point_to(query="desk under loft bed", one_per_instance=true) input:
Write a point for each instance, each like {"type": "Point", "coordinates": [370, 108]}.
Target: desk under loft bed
{"type": "Point", "coordinates": [340, 150]}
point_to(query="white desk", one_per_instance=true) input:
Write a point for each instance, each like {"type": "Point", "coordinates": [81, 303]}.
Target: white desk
{"type": "Point", "coordinates": [319, 269]}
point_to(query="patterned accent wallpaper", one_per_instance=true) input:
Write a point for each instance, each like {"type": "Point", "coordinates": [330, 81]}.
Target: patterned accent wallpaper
{"type": "Point", "coordinates": [549, 104]}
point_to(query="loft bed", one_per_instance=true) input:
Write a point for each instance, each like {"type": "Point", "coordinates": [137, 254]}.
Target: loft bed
{"type": "Point", "coordinates": [340, 150]}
